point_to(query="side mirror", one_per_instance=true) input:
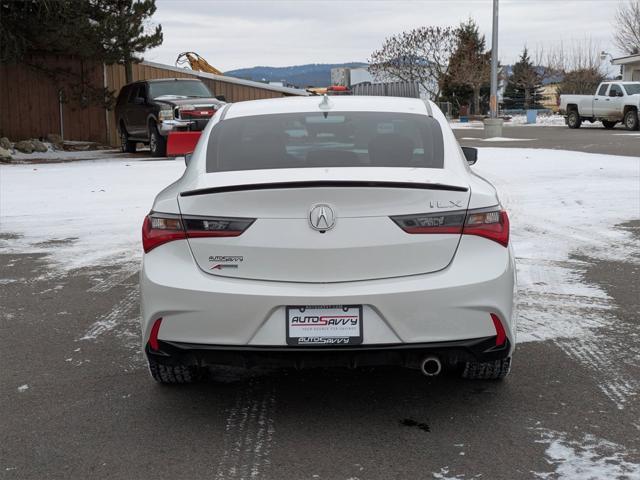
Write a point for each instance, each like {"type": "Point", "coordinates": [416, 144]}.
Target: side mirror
{"type": "Point", "coordinates": [222, 98]}
{"type": "Point", "coordinates": [187, 158]}
{"type": "Point", "coordinates": [471, 154]}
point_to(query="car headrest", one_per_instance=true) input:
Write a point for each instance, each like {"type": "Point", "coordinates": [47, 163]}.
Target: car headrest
{"type": "Point", "coordinates": [331, 158]}
{"type": "Point", "coordinates": [389, 149]}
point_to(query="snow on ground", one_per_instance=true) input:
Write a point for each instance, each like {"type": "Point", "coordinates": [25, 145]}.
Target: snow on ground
{"type": "Point", "coordinates": [499, 139]}
{"type": "Point", "coordinates": [64, 155]}
{"type": "Point", "coordinates": [521, 121]}
{"type": "Point", "coordinates": [591, 458]}
{"type": "Point", "coordinates": [541, 120]}
{"type": "Point", "coordinates": [82, 213]}
{"type": "Point", "coordinates": [560, 202]}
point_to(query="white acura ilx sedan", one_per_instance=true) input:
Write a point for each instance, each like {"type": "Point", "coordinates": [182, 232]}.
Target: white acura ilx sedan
{"type": "Point", "coordinates": [328, 231]}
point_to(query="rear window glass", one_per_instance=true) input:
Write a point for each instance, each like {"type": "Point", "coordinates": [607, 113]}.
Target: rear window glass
{"type": "Point", "coordinates": [632, 88]}
{"type": "Point", "coordinates": [332, 139]}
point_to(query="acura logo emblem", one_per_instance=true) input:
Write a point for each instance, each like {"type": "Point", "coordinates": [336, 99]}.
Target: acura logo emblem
{"type": "Point", "coordinates": [321, 217]}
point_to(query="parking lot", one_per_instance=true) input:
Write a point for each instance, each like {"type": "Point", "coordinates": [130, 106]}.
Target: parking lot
{"type": "Point", "coordinates": [77, 399]}
{"type": "Point", "coordinates": [589, 138]}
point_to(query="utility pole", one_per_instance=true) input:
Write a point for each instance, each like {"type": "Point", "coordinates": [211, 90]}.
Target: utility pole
{"type": "Point", "coordinates": [493, 125]}
{"type": "Point", "coordinates": [494, 62]}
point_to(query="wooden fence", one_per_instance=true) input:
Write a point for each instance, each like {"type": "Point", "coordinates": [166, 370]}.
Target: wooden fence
{"type": "Point", "coordinates": [30, 97]}
{"type": "Point", "coordinates": [30, 101]}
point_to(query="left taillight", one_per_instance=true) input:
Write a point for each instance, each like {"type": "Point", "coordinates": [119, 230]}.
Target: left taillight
{"type": "Point", "coordinates": [490, 223]}
{"type": "Point", "coordinates": [160, 228]}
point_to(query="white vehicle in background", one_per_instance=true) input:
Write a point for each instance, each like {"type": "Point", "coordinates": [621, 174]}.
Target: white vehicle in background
{"type": "Point", "coordinates": [317, 231]}
{"type": "Point", "coordinates": [613, 102]}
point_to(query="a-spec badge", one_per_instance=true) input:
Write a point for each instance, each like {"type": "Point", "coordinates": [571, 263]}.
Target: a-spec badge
{"type": "Point", "coordinates": [322, 217]}
{"type": "Point", "coordinates": [221, 262]}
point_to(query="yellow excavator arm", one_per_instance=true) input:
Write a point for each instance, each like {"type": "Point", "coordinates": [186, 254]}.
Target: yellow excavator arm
{"type": "Point", "coordinates": [197, 63]}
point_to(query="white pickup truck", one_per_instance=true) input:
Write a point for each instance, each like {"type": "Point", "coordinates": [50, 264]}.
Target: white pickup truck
{"type": "Point", "coordinates": [613, 102]}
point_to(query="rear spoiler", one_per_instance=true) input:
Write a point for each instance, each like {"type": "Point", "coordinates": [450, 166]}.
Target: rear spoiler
{"type": "Point", "coordinates": [323, 183]}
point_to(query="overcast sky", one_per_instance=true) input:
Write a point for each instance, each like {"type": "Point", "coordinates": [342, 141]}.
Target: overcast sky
{"type": "Point", "coordinates": [235, 34]}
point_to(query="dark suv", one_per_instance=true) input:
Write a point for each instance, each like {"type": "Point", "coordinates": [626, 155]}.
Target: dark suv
{"type": "Point", "coordinates": [147, 111]}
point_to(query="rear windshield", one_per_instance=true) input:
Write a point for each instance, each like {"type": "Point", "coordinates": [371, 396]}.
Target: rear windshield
{"type": "Point", "coordinates": [178, 88]}
{"type": "Point", "coordinates": [333, 139]}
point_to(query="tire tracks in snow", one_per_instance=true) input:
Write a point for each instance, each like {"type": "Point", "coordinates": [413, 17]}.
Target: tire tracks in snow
{"type": "Point", "coordinates": [120, 318]}
{"type": "Point", "coordinates": [248, 435]}
{"type": "Point", "coordinates": [115, 279]}
{"type": "Point", "coordinates": [556, 304]}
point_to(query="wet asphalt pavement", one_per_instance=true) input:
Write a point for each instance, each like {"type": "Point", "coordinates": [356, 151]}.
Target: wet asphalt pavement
{"type": "Point", "coordinates": [87, 408]}
{"type": "Point", "coordinates": [591, 139]}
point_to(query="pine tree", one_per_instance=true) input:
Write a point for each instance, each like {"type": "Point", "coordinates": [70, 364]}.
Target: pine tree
{"type": "Point", "coordinates": [524, 87]}
{"type": "Point", "coordinates": [469, 67]}
{"type": "Point", "coordinates": [121, 28]}
{"type": "Point", "coordinates": [111, 31]}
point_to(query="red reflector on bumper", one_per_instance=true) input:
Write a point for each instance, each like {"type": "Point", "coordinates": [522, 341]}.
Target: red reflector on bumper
{"type": "Point", "coordinates": [501, 335]}
{"type": "Point", "coordinates": [153, 336]}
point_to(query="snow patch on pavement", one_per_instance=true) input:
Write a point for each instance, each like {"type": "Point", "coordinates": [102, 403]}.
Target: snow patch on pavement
{"type": "Point", "coordinates": [500, 139]}
{"type": "Point", "coordinates": [521, 121]}
{"type": "Point", "coordinates": [591, 458]}
{"type": "Point", "coordinates": [443, 474]}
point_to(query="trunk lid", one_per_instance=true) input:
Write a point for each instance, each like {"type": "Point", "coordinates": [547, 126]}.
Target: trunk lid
{"type": "Point", "coordinates": [324, 224]}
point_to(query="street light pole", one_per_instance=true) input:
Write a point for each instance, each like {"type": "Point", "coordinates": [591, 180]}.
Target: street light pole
{"type": "Point", "coordinates": [493, 125]}
{"type": "Point", "coordinates": [494, 62]}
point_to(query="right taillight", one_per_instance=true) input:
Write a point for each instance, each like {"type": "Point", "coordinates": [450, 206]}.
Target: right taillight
{"type": "Point", "coordinates": [160, 228]}
{"type": "Point", "coordinates": [490, 223]}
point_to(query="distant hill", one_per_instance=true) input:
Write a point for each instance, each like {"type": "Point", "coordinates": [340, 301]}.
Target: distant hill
{"type": "Point", "coordinates": [313, 74]}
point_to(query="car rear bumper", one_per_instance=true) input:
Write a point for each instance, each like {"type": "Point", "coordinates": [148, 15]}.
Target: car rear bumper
{"type": "Point", "coordinates": [452, 305]}
{"type": "Point", "coordinates": [405, 355]}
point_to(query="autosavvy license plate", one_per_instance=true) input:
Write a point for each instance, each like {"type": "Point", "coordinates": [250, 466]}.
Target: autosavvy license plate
{"type": "Point", "coordinates": [329, 325]}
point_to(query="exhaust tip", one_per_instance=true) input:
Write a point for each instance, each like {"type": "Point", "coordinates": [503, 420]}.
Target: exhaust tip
{"type": "Point", "coordinates": [431, 366]}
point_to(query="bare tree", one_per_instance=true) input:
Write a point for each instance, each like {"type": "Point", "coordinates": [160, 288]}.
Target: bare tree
{"type": "Point", "coordinates": [420, 55]}
{"type": "Point", "coordinates": [627, 27]}
{"type": "Point", "coordinates": [578, 64]}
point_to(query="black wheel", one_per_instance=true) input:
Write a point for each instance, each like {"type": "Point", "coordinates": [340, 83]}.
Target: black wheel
{"type": "Point", "coordinates": [631, 120]}
{"type": "Point", "coordinates": [126, 145]}
{"type": "Point", "coordinates": [496, 370]}
{"type": "Point", "coordinates": [173, 374]}
{"type": "Point", "coordinates": [157, 143]}
{"type": "Point", "coordinates": [573, 119]}
{"type": "Point", "coordinates": [608, 124]}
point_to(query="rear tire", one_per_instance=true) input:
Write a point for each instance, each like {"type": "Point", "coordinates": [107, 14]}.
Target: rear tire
{"type": "Point", "coordinates": [126, 145]}
{"type": "Point", "coordinates": [496, 370]}
{"type": "Point", "coordinates": [173, 374]}
{"type": "Point", "coordinates": [608, 124]}
{"type": "Point", "coordinates": [573, 119]}
{"type": "Point", "coordinates": [631, 120]}
{"type": "Point", "coordinates": [157, 143]}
